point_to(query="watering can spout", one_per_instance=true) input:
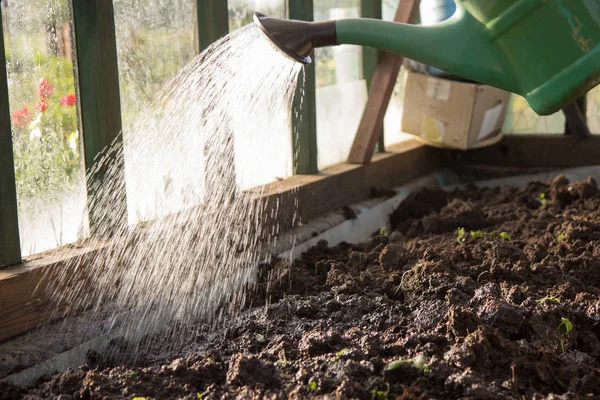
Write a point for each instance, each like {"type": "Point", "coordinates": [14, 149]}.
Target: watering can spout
{"type": "Point", "coordinates": [545, 51]}
{"type": "Point", "coordinates": [451, 46]}
{"type": "Point", "coordinates": [297, 39]}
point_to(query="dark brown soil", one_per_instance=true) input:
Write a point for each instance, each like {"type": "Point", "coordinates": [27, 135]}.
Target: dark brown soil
{"type": "Point", "coordinates": [483, 307]}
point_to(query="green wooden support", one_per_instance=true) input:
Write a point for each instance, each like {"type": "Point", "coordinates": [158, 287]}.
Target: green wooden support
{"type": "Point", "coordinates": [10, 248]}
{"type": "Point", "coordinates": [304, 116]}
{"type": "Point", "coordinates": [213, 21]}
{"type": "Point", "coordinates": [372, 9]}
{"type": "Point", "coordinates": [97, 75]}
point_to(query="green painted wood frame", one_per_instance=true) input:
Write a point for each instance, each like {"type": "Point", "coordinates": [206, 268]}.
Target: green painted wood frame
{"type": "Point", "coordinates": [97, 75]}
{"type": "Point", "coordinates": [304, 117]}
{"type": "Point", "coordinates": [371, 9]}
{"type": "Point", "coordinates": [212, 21]}
{"type": "Point", "coordinates": [10, 248]}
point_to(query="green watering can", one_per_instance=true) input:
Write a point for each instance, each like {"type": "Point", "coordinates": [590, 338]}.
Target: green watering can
{"type": "Point", "coordinates": [547, 51]}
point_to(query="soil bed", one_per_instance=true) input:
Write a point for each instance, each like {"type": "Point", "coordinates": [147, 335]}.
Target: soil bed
{"type": "Point", "coordinates": [505, 308]}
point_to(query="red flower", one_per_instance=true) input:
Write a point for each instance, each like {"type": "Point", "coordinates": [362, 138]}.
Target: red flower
{"type": "Point", "coordinates": [44, 89]}
{"type": "Point", "coordinates": [68, 100]}
{"type": "Point", "coordinates": [21, 117]}
{"type": "Point", "coordinates": [41, 105]}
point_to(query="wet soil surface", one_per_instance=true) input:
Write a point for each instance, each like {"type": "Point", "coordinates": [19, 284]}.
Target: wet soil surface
{"type": "Point", "coordinates": [477, 294]}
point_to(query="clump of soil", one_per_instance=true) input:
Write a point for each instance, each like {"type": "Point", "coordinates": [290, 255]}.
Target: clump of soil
{"type": "Point", "coordinates": [477, 294]}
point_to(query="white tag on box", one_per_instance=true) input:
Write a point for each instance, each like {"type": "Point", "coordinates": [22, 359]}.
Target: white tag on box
{"type": "Point", "coordinates": [490, 119]}
{"type": "Point", "coordinates": [438, 89]}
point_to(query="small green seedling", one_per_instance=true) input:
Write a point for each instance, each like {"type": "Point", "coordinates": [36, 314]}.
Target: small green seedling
{"type": "Point", "coordinates": [567, 326]}
{"type": "Point", "coordinates": [505, 235]}
{"type": "Point", "coordinates": [380, 394]}
{"type": "Point", "coordinates": [547, 298]}
{"type": "Point", "coordinates": [383, 231]}
{"type": "Point", "coordinates": [279, 363]}
{"type": "Point", "coordinates": [476, 234]}
{"type": "Point", "coordinates": [312, 385]}
{"type": "Point", "coordinates": [260, 338]}
{"type": "Point", "coordinates": [492, 235]}
{"type": "Point", "coordinates": [560, 237]}
{"type": "Point", "coordinates": [419, 362]}
{"type": "Point", "coordinates": [198, 395]}
{"type": "Point", "coordinates": [341, 353]}
{"type": "Point", "coordinates": [542, 199]}
{"type": "Point", "coordinates": [460, 235]}
{"type": "Point", "coordinates": [139, 398]}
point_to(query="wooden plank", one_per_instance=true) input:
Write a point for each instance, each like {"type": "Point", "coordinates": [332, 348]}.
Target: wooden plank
{"type": "Point", "coordinates": [23, 303]}
{"type": "Point", "coordinates": [304, 197]}
{"type": "Point", "coordinates": [536, 151]}
{"type": "Point", "coordinates": [212, 21]}
{"type": "Point", "coordinates": [304, 114]}
{"type": "Point", "coordinates": [97, 76]}
{"type": "Point", "coordinates": [380, 93]}
{"type": "Point", "coordinates": [10, 249]}
{"type": "Point", "coordinates": [370, 55]}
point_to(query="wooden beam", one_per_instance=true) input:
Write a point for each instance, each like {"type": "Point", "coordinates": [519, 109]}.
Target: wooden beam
{"type": "Point", "coordinates": [10, 249]}
{"type": "Point", "coordinates": [97, 75]}
{"type": "Point", "coordinates": [24, 305]}
{"type": "Point", "coordinates": [212, 21]}
{"type": "Point", "coordinates": [370, 55]}
{"type": "Point", "coordinates": [304, 114]}
{"type": "Point", "coordinates": [536, 151]}
{"type": "Point", "coordinates": [381, 90]}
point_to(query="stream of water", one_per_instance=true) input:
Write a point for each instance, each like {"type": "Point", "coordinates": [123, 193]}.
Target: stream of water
{"type": "Point", "coordinates": [197, 250]}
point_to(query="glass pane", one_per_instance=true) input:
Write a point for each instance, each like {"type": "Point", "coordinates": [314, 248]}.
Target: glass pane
{"type": "Point", "coordinates": [275, 142]}
{"type": "Point", "coordinates": [241, 11]}
{"type": "Point", "coordinates": [155, 39]}
{"type": "Point", "coordinates": [520, 118]}
{"type": "Point", "coordinates": [393, 115]}
{"type": "Point", "coordinates": [47, 147]}
{"type": "Point", "coordinates": [341, 90]}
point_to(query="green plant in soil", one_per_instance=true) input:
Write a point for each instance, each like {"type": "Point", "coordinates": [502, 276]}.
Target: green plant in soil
{"type": "Point", "coordinates": [564, 328]}
{"type": "Point", "coordinates": [505, 235]}
{"type": "Point", "coordinates": [460, 235]}
{"type": "Point", "coordinates": [542, 199]}
{"type": "Point", "coordinates": [547, 298]}
{"type": "Point", "coordinates": [313, 385]}
{"type": "Point", "coordinates": [377, 394]}
{"type": "Point", "coordinates": [476, 234]}
{"type": "Point", "coordinates": [419, 362]}
{"type": "Point", "coordinates": [560, 237]}
{"type": "Point", "coordinates": [383, 231]}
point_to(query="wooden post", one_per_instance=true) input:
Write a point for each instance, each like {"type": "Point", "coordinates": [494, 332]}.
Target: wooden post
{"type": "Point", "coordinates": [380, 93]}
{"type": "Point", "coordinates": [304, 114]}
{"type": "Point", "coordinates": [372, 9]}
{"type": "Point", "coordinates": [10, 248]}
{"type": "Point", "coordinates": [212, 22]}
{"type": "Point", "coordinates": [97, 74]}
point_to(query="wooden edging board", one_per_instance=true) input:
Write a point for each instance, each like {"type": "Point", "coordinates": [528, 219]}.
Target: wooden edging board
{"type": "Point", "coordinates": [23, 305]}
{"type": "Point", "coordinates": [536, 150]}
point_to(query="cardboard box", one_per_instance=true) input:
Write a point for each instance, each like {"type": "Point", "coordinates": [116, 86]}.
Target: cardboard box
{"type": "Point", "coordinates": [453, 114]}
